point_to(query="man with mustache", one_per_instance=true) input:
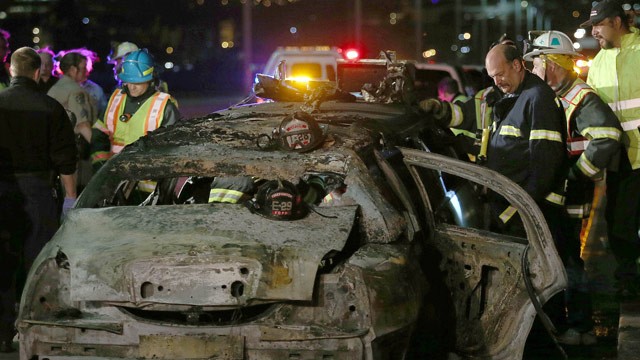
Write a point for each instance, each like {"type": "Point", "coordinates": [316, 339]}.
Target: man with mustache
{"type": "Point", "coordinates": [613, 75]}
{"type": "Point", "coordinates": [524, 137]}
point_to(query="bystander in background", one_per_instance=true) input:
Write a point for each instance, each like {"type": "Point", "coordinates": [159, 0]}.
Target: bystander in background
{"type": "Point", "coordinates": [5, 77]}
{"type": "Point", "coordinates": [95, 91]}
{"type": "Point", "coordinates": [47, 77]}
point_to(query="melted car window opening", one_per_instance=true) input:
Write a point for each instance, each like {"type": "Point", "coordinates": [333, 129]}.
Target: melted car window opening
{"type": "Point", "coordinates": [314, 188]}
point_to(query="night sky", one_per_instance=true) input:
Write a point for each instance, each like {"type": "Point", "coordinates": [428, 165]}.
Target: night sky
{"type": "Point", "coordinates": [195, 30]}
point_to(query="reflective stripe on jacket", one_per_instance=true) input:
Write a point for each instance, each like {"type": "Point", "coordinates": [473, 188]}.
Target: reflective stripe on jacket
{"type": "Point", "coordinates": [614, 76]}
{"type": "Point", "coordinates": [590, 125]}
{"type": "Point", "coordinates": [460, 125]}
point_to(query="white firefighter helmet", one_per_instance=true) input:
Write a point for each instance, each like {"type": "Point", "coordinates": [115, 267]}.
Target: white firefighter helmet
{"type": "Point", "coordinates": [549, 42]}
{"type": "Point", "coordinates": [120, 51]}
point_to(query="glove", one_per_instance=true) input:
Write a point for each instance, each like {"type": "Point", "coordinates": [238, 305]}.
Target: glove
{"type": "Point", "coordinates": [430, 106]}
{"type": "Point", "coordinates": [67, 205]}
{"type": "Point", "coordinates": [439, 111]}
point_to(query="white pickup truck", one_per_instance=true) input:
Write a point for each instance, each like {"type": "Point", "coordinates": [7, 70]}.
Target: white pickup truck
{"type": "Point", "coordinates": [304, 62]}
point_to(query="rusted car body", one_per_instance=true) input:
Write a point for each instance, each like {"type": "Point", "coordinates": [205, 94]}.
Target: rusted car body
{"type": "Point", "coordinates": [372, 274]}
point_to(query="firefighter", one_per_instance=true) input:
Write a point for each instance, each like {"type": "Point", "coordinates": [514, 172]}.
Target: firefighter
{"type": "Point", "coordinates": [593, 142]}
{"type": "Point", "coordinates": [613, 75]}
{"type": "Point", "coordinates": [231, 189]}
{"type": "Point", "coordinates": [116, 56]}
{"type": "Point", "coordinates": [132, 111]}
{"type": "Point", "coordinates": [448, 91]}
{"type": "Point", "coordinates": [524, 140]}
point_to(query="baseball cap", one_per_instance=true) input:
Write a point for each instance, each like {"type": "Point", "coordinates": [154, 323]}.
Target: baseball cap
{"type": "Point", "coordinates": [602, 10]}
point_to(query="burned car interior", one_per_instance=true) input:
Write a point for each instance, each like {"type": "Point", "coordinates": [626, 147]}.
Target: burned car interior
{"type": "Point", "coordinates": [323, 224]}
{"type": "Point", "coordinates": [312, 187]}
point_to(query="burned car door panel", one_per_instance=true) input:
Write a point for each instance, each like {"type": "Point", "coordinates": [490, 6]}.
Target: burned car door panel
{"type": "Point", "coordinates": [485, 277]}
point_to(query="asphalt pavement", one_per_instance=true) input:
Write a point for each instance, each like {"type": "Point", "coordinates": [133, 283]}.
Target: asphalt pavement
{"type": "Point", "coordinates": [197, 105]}
{"type": "Point", "coordinates": [599, 264]}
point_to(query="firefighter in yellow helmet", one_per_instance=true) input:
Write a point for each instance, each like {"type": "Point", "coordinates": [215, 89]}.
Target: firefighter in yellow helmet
{"type": "Point", "coordinates": [593, 142]}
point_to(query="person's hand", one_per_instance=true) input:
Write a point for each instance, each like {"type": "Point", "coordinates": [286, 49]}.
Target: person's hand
{"type": "Point", "coordinates": [437, 110]}
{"type": "Point", "coordinates": [67, 205]}
{"type": "Point", "coordinates": [431, 106]}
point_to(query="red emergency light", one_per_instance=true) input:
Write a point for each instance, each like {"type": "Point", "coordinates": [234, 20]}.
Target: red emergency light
{"type": "Point", "coordinates": [351, 54]}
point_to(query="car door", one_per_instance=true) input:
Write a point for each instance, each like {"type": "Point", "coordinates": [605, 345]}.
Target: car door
{"type": "Point", "coordinates": [495, 282]}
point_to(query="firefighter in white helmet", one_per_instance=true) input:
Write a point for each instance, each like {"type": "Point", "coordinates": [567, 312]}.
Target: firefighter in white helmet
{"type": "Point", "coordinates": [118, 52]}
{"type": "Point", "coordinates": [593, 142]}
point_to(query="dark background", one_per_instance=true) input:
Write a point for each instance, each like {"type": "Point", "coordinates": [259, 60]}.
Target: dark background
{"type": "Point", "coordinates": [196, 30]}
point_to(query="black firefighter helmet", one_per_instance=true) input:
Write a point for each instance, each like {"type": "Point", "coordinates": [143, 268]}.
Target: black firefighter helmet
{"type": "Point", "coordinates": [299, 132]}
{"type": "Point", "coordinates": [278, 200]}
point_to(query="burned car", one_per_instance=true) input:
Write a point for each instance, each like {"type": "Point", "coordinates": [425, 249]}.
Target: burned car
{"type": "Point", "coordinates": [350, 232]}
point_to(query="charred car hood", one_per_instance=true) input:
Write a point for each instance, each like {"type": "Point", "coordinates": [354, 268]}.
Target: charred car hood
{"type": "Point", "coordinates": [208, 255]}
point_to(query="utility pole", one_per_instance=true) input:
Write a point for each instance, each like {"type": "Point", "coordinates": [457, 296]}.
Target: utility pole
{"type": "Point", "coordinates": [484, 32]}
{"type": "Point", "coordinates": [358, 22]}
{"type": "Point", "coordinates": [418, 28]}
{"type": "Point", "coordinates": [247, 44]}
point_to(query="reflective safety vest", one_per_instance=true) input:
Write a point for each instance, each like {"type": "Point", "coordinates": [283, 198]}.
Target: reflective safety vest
{"type": "Point", "coordinates": [457, 116]}
{"type": "Point", "coordinates": [147, 118]}
{"type": "Point", "coordinates": [570, 101]}
{"type": "Point", "coordinates": [483, 114]}
{"type": "Point", "coordinates": [614, 76]}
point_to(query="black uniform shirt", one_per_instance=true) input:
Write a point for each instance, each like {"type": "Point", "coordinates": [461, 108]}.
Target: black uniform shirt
{"type": "Point", "coordinates": [35, 131]}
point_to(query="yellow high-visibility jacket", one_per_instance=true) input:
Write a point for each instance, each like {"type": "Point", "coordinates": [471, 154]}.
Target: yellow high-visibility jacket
{"type": "Point", "coordinates": [614, 76]}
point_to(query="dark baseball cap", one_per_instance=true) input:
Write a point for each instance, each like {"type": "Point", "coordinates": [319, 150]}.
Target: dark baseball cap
{"type": "Point", "coordinates": [604, 9]}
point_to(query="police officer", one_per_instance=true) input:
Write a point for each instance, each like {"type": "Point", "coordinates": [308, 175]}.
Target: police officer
{"type": "Point", "coordinates": [593, 135]}
{"type": "Point", "coordinates": [132, 111]}
{"type": "Point", "coordinates": [36, 140]}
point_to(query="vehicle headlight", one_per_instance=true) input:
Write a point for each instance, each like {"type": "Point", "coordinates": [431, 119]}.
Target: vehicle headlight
{"type": "Point", "coordinates": [47, 294]}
